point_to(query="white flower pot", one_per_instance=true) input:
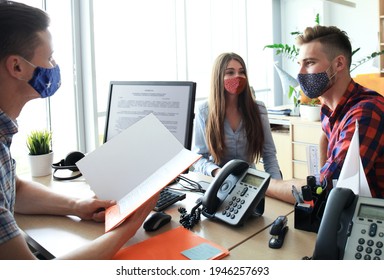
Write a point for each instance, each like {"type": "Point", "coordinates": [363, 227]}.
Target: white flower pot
{"type": "Point", "coordinates": [295, 112]}
{"type": "Point", "coordinates": [41, 165]}
{"type": "Point", "coordinates": [310, 112]}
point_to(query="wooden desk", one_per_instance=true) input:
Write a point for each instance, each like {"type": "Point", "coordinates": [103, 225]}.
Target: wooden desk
{"type": "Point", "coordinates": [59, 235]}
{"type": "Point", "coordinates": [297, 244]}
{"type": "Point", "coordinates": [229, 236]}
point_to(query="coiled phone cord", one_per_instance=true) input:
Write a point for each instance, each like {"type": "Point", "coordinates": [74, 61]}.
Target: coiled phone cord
{"type": "Point", "coordinates": [188, 221]}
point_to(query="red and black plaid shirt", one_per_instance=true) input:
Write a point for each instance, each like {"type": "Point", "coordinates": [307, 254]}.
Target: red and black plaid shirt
{"type": "Point", "coordinates": [367, 107]}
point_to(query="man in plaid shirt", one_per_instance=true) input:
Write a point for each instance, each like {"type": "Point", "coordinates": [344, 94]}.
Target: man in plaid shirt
{"type": "Point", "coordinates": [325, 60]}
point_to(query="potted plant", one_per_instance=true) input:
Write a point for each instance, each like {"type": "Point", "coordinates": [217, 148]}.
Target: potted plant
{"type": "Point", "coordinates": [39, 144]}
{"type": "Point", "coordinates": [310, 110]}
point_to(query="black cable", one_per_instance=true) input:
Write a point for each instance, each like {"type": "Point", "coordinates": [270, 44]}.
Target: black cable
{"type": "Point", "coordinates": [192, 186]}
{"type": "Point", "coordinates": [188, 221]}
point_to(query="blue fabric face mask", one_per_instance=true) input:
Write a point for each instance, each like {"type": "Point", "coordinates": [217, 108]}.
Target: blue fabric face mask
{"type": "Point", "coordinates": [46, 81]}
{"type": "Point", "coordinates": [314, 85]}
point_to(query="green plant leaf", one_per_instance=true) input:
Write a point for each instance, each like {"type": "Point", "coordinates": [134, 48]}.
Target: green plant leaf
{"type": "Point", "coordinates": [290, 92]}
{"type": "Point", "coordinates": [293, 93]}
{"type": "Point", "coordinates": [39, 142]}
{"type": "Point", "coordinates": [365, 59]}
{"type": "Point", "coordinates": [355, 51]}
{"type": "Point", "coordinates": [290, 52]}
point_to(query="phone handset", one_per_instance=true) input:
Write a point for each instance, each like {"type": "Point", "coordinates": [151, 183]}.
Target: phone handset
{"type": "Point", "coordinates": [222, 184]}
{"type": "Point", "coordinates": [331, 237]}
{"type": "Point", "coordinates": [236, 193]}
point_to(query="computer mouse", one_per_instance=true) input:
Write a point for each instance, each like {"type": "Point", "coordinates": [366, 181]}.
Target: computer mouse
{"type": "Point", "coordinates": [156, 221]}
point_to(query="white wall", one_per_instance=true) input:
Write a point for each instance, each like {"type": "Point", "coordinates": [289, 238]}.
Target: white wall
{"type": "Point", "coordinates": [362, 25]}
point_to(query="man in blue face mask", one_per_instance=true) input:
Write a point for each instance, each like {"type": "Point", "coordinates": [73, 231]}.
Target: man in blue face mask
{"type": "Point", "coordinates": [28, 71]}
{"type": "Point", "coordinates": [46, 81]}
{"type": "Point", "coordinates": [325, 58]}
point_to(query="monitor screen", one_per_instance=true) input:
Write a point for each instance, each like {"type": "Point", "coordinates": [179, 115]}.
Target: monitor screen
{"type": "Point", "coordinates": [172, 103]}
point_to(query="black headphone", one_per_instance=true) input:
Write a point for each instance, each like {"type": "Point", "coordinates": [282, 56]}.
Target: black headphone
{"type": "Point", "coordinates": [68, 163]}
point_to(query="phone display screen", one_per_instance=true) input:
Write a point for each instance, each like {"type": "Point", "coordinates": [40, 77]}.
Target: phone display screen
{"type": "Point", "coordinates": [253, 180]}
{"type": "Point", "coordinates": [371, 211]}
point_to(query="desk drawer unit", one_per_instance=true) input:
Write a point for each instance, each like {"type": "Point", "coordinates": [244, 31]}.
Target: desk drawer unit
{"type": "Point", "coordinates": [304, 134]}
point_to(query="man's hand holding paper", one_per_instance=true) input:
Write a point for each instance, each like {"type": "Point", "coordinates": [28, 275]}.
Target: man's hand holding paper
{"type": "Point", "coordinates": [134, 166]}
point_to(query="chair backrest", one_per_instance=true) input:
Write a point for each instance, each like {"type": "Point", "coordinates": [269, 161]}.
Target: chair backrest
{"type": "Point", "coordinates": [372, 81]}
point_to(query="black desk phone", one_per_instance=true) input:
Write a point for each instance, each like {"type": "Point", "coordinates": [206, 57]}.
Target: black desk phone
{"type": "Point", "coordinates": [236, 193]}
{"type": "Point", "coordinates": [352, 227]}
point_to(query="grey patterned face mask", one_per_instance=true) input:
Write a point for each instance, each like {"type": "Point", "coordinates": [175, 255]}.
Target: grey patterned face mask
{"type": "Point", "coordinates": [314, 85]}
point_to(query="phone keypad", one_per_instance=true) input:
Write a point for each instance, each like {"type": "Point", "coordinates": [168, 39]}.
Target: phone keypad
{"type": "Point", "coordinates": [233, 207]}
{"type": "Point", "coordinates": [369, 246]}
{"type": "Point", "coordinates": [241, 199]}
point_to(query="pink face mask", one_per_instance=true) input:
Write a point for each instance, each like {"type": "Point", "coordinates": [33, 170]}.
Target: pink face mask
{"type": "Point", "coordinates": [235, 85]}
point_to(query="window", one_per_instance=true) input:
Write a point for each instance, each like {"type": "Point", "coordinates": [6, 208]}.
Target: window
{"type": "Point", "coordinates": [96, 42]}
{"type": "Point", "coordinates": [178, 40]}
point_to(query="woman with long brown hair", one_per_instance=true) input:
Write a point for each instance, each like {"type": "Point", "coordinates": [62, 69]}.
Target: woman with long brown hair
{"type": "Point", "coordinates": [232, 124]}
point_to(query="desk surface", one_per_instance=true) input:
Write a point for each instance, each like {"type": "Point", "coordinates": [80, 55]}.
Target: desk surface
{"type": "Point", "coordinates": [59, 235]}
{"type": "Point", "coordinates": [297, 244]}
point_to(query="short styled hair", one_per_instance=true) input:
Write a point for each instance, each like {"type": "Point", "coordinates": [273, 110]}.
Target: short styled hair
{"type": "Point", "coordinates": [333, 40]}
{"type": "Point", "coordinates": [19, 25]}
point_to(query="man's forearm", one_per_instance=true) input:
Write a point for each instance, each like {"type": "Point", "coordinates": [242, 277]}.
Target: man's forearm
{"type": "Point", "coordinates": [282, 189]}
{"type": "Point", "coordinates": [34, 198]}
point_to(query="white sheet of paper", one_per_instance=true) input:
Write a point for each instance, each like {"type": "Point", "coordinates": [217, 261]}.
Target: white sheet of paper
{"type": "Point", "coordinates": [130, 158]}
{"type": "Point", "coordinates": [159, 179]}
{"type": "Point", "coordinates": [352, 174]}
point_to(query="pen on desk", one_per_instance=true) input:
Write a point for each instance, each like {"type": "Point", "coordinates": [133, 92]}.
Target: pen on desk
{"type": "Point", "coordinates": [296, 195]}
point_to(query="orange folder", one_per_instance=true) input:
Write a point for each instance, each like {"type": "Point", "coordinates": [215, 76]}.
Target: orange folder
{"type": "Point", "coordinates": [175, 244]}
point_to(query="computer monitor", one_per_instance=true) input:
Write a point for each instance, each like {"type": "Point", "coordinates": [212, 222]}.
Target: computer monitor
{"type": "Point", "coordinates": [172, 102]}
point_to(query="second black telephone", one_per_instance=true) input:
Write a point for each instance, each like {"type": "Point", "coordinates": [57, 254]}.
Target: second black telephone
{"type": "Point", "coordinates": [236, 193]}
{"type": "Point", "coordinates": [352, 227]}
